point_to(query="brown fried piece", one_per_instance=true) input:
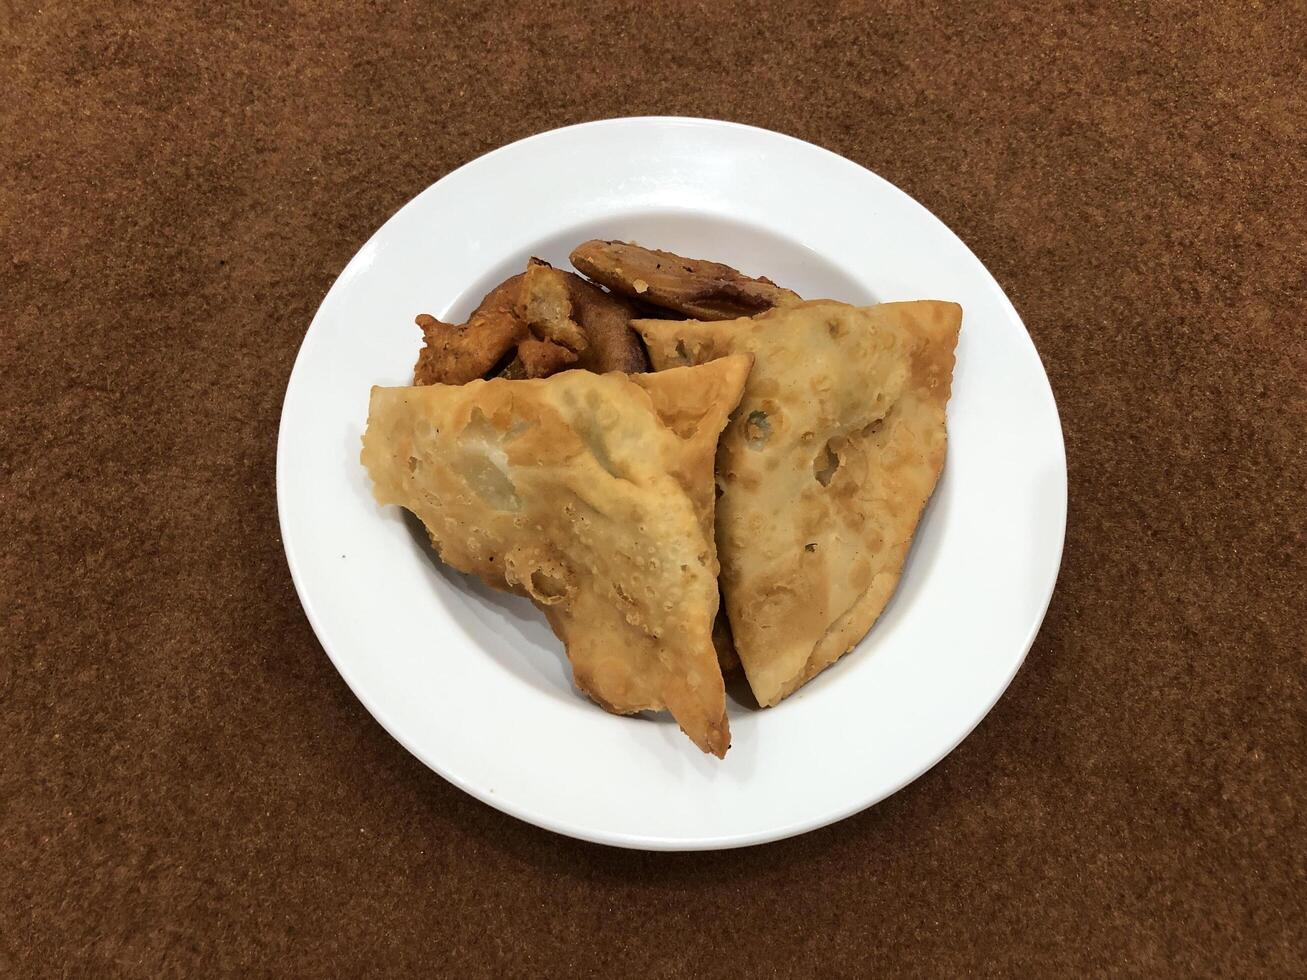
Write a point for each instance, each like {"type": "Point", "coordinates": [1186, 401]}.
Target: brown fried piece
{"type": "Point", "coordinates": [500, 300]}
{"type": "Point", "coordinates": [543, 302]}
{"type": "Point", "coordinates": [606, 319]}
{"type": "Point", "coordinates": [491, 342]}
{"type": "Point", "coordinates": [696, 288]}
{"type": "Point", "coordinates": [541, 358]}
{"type": "Point", "coordinates": [457, 354]}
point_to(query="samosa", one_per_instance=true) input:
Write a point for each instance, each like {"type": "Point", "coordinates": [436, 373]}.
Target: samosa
{"type": "Point", "coordinates": [592, 494]}
{"type": "Point", "coordinates": [823, 472]}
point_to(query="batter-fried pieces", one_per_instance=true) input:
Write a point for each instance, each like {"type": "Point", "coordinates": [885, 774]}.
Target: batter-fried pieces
{"type": "Point", "coordinates": [455, 355]}
{"type": "Point", "coordinates": [544, 304]}
{"type": "Point", "coordinates": [533, 325]}
{"type": "Point", "coordinates": [606, 318]}
{"type": "Point", "coordinates": [696, 288]}
{"type": "Point", "coordinates": [541, 358]}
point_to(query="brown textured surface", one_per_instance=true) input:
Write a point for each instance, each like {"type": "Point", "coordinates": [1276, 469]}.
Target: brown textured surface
{"type": "Point", "coordinates": [186, 785]}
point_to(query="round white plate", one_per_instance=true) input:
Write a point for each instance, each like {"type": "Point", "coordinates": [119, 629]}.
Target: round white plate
{"type": "Point", "coordinates": [475, 685]}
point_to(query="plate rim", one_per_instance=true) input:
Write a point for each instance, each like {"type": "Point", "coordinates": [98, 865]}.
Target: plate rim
{"type": "Point", "coordinates": [646, 841]}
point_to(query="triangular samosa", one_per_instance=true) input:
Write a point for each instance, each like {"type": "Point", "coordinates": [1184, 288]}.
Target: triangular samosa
{"type": "Point", "coordinates": [823, 472]}
{"type": "Point", "coordinates": [592, 494]}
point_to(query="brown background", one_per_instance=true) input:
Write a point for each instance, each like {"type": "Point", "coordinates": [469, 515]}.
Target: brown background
{"type": "Point", "coordinates": [186, 785]}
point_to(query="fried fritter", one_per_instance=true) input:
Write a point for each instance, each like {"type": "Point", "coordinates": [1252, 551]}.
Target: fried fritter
{"type": "Point", "coordinates": [544, 303]}
{"type": "Point", "coordinates": [457, 354]}
{"type": "Point", "coordinates": [500, 300]}
{"type": "Point", "coordinates": [693, 287]}
{"type": "Point", "coordinates": [574, 322]}
{"type": "Point", "coordinates": [541, 358]}
{"type": "Point", "coordinates": [606, 319]}
{"type": "Point", "coordinates": [560, 299]}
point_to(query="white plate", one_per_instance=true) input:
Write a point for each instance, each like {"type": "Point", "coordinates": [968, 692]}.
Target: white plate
{"type": "Point", "coordinates": [473, 683]}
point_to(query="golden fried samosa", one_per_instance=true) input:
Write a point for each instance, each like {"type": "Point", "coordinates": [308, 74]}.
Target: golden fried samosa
{"type": "Point", "coordinates": [824, 470]}
{"type": "Point", "coordinates": [592, 494]}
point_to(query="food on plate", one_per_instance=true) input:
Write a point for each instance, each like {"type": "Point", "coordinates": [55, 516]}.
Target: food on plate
{"type": "Point", "coordinates": [692, 287]}
{"type": "Point", "coordinates": [538, 359]}
{"type": "Point", "coordinates": [532, 325]}
{"type": "Point", "coordinates": [544, 304]}
{"type": "Point", "coordinates": [606, 318]}
{"type": "Point", "coordinates": [824, 469]}
{"type": "Point", "coordinates": [592, 494]}
{"type": "Point", "coordinates": [604, 493]}
{"type": "Point", "coordinates": [455, 354]}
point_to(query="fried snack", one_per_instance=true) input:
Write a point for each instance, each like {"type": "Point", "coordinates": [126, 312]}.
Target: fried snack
{"type": "Point", "coordinates": [825, 468]}
{"type": "Point", "coordinates": [456, 354]}
{"type": "Point", "coordinates": [560, 308]}
{"type": "Point", "coordinates": [592, 494]}
{"type": "Point", "coordinates": [499, 301]}
{"type": "Point", "coordinates": [692, 287]}
{"type": "Point", "coordinates": [544, 304]}
{"type": "Point", "coordinates": [606, 319]}
{"type": "Point", "coordinates": [541, 358]}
